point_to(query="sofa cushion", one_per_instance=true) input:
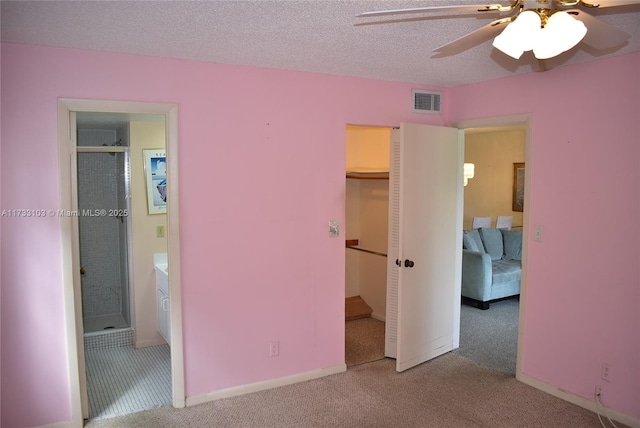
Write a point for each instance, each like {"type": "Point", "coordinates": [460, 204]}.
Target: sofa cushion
{"type": "Point", "coordinates": [471, 241]}
{"type": "Point", "coordinates": [506, 271]}
{"type": "Point", "coordinates": [512, 244]}
{"type": "Point", "coordinates": [492, 239]}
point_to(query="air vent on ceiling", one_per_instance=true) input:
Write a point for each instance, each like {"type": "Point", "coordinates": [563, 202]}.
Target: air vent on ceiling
{"type": "Point", "coordinates": [426, 101]}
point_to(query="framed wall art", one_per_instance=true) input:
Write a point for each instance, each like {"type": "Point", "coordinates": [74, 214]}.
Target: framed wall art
{"type": "Point", "coordinates": [155, 172]}
{"type": "Point", "coordinates": [518, 187]}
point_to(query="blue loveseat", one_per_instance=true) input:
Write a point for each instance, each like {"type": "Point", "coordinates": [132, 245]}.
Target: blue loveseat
{"type": "Point", "coordinates": [491, 265]}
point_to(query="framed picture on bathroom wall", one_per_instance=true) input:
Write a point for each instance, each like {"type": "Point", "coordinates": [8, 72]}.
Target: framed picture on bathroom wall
{"type": "Point", "coordinates": [155, 172]}
{"type": "Point", "coordinates": [518, 187]}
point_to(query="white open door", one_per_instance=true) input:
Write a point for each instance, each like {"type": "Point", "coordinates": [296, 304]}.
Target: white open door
{"type": "Point", "coordinates": [425, 243]}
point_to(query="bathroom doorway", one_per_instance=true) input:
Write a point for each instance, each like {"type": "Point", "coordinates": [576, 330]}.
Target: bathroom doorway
{"type": "Point", "coordinates": [128, 365]}
{"type": "Point", "coordinates": [68, 110]}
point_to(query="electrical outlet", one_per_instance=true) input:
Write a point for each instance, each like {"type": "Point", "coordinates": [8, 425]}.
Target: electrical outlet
{"type": "Point", "coordinates": [274, 348]}
{"type": "Point", "coordinates": [598, 393]}
{"type": "Point", "coordinates": [606, 372]}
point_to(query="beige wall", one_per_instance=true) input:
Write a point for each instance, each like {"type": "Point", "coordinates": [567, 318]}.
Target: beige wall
{"type": "Point", "coordinates": [367, 207]}
{"type": "Point", "coordinates": [489, 193]}
{"type": "Point", "coordinates": [368, 148]}
{"type": "Point", "coordinates": [145, 135]}
{"type": "Point", "coordinates": [352, 231]}
{"type": "Point", "coordinates": [374, 212]}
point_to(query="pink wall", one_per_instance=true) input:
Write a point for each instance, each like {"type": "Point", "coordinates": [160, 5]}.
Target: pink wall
{"type": "Point", "coordinates": [583, 290]}
{"type": "Point", "coordinates": [261, 174]}
{"type": "Point", "coordinates": [262, 161]}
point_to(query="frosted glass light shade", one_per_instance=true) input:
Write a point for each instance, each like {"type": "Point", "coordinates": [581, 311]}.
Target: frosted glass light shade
{"type": "Point", "coordinates": [529, 27]}
{"type": "Point", "coordinates": [561, 33]}
{"type": "Point", "coordinates": [520, 35]}
{"type": "Point", "coordinates": [508, 44]}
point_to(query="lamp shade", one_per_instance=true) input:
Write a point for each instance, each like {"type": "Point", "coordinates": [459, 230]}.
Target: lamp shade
{"type": "Point", "coordinates": [469, 172]}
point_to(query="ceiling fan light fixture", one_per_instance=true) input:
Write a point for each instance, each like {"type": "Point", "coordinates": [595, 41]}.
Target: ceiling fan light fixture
{"type": "Point", "coordinates": [520, 35]}
{"type": "Point", "coordinates": [561, 33]}
{"type": "Point", "coordinates": [529, 26]}
{"type": "Point", "coordinates": [508, 45]}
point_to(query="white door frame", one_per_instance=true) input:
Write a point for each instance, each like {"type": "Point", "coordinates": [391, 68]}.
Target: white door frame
{"type": "Point", "coordinates": [526, 121]}
{"type": "Point", "coordinates": [70, 247]}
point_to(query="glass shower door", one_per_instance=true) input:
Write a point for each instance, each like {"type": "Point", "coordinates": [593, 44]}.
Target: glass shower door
{"type": "Point", "coordinates": [103, 191]}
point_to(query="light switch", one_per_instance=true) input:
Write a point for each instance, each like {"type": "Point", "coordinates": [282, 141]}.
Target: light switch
{"type": "Point", "coordinates": [538, 234]}
{"type": "Point", "coordinates": [334, 229]}
{"type": "Point", "coordinates": [160, 231]}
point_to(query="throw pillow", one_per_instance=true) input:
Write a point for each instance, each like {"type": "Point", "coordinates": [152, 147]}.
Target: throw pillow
{"type": "Point", "coordinates": [512, 244]}
{"type": "Point", "coordinates": [492, 239]}
{"type": "Point", "coordinates": [468, 243]}
{"type": "Point", "coordinates": [471, 241]}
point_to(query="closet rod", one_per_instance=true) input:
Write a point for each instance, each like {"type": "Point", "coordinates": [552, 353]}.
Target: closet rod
{"type": "Point", "coordinates": [368, 176]}
{"type": "Point", "coordinates": [368, 251]}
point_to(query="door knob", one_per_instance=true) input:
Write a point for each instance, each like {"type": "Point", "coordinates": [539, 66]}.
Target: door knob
{"type": "Point", "coordinates": [408, 263]}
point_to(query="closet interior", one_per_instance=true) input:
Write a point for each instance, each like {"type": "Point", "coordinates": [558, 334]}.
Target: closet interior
{"type": "Point", "coordinates": [367, 206]}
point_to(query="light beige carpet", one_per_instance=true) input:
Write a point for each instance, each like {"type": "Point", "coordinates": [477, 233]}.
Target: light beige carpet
{"type": "Point", "coordinates": [364, 341]}
{"type": "Point", "coordinates": [447, 392]}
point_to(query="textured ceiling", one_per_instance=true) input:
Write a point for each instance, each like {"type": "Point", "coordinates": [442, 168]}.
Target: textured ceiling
{"type": "Point", "coordinates": [312, 35]}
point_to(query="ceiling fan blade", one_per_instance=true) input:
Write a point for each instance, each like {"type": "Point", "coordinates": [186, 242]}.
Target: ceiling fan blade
{"type": "Point", "coordinates": [400, 19]}
{"type": "Point", "coordinates": [600, 35]}
{"type": "Point", "coordinates": [475, 8]}
{"type": "Point", "coordinates": [599, 4]}
{"type": "Point", "coordinates": [472, 39]}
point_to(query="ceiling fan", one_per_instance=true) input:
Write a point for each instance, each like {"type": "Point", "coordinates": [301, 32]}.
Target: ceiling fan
{"type": "Point", "coordinates": [546, 27]}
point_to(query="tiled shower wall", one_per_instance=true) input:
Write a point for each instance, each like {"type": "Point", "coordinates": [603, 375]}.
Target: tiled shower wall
{"type": "Point", "coordinates": [102, 237]}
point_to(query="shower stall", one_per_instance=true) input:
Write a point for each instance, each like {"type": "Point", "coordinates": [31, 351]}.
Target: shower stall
{"type": "Point", "coordinates": [104, 222]}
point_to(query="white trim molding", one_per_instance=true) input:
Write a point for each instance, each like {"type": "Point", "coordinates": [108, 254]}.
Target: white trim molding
{"type": "Point", "coordinates": [525, 121]}
{"type": "Point", "coordinates": [264, 385]}
{"type": "Point", "coordinates": [578, 400]}
{"type": "Point", "coordinates": [64, 424]}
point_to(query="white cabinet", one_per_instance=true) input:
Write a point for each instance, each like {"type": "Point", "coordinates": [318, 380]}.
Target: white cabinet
{"type": "Point", "coordinates": [163, 314]}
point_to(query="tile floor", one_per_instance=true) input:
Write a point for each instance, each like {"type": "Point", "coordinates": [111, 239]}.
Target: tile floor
{"type": "Point", "coordinates": [124, 380]}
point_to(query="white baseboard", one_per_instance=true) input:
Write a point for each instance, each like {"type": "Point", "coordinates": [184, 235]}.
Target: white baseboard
{"type": "Point", "coordinates": [579, 401]}
{"type": "Point", "coordinates": [379, 317]}
{"type": "Point", "coordinates": [267, 384]}
{"type": "Point", "coordinates": [63, 424]}
{"type": "Point", "coordinates": [146, 343]}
